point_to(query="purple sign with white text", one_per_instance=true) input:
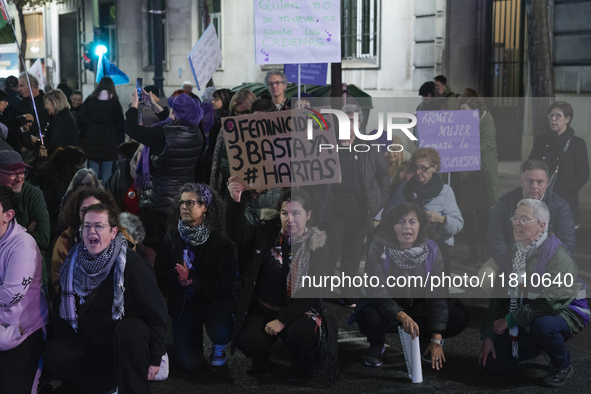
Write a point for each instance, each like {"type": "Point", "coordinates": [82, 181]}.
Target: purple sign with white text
{"type": "Point", "coordinates": [455, 135]}
{"type": "Point", "coordinates": [312, 73]}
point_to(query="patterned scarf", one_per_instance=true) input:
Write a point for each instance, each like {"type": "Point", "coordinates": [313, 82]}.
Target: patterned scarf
{"type": "Point", "coordinates": [409, 258]}
{"type": "Point", "coordinates": [519, 267]}
{"type": "Point", "coordinates": [300, 261]}
{"type": "Point", "coordinates": [81, 274]}
{"type": "Point", "coordinates": [193, 235]}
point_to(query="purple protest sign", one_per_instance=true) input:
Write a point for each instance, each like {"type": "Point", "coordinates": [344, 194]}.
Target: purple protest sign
{"type": "Point", "coordinates": [312, 73]}
{"type": "Point", "coordinates": [455, 135]}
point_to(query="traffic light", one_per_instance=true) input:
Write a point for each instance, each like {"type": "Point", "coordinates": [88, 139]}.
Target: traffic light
{"type": "Point", "coordinates": [91, 54]}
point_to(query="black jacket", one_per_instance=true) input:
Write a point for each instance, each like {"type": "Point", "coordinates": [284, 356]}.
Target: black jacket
{"type": "Point", "coordinates": [573, 163]}
{"type": "Point", "coordinates": [172, 167]}
{"type": "Point", "coordinates": [120, 182]}
{"type": "Point", "coordinates": [101, 124]}
{"type": "Point", "coordinates": [370, 173]}
{"type": "Point", "coordinates": [262, 238]}
{"type": "Point", "coordinates": [500, 237]}
{"type": "Point", "coordinates": [62, 131]}
{"type": "Point", "coordinates": [433, 302]}
{"type": "Point", "coordinates": [141, 298]}
{"type": "Point", "coordinates": [213, 278]}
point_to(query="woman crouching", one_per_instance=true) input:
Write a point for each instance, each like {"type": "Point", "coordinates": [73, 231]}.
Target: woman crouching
{"type": "Point", "coordinates": [401, 249]}
{"type": "Point", "coordinates": [286, 250]}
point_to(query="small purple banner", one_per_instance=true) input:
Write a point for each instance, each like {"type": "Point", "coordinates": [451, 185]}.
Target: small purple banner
{"type": "Point", "coordinates": [312, 73]}
{"type": "Point", "coordinates": [455, 135]}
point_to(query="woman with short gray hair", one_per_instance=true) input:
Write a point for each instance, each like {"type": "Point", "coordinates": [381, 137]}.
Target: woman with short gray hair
{"type": "Point", "coordinates": [540, 302]}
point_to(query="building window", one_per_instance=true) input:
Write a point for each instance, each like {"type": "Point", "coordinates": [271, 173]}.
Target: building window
{"type": "Point", "coordinates": [359, 24]}
{"type": "Point", "coordinates": [211, 13]}
{"type": "Point", "coordinates": [108, 31]}
{"type": "Point", "coordinates": [151, 34]}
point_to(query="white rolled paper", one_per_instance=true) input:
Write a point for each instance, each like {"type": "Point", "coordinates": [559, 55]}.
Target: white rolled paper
{"type": "Point", "coordinates": [417, 368]}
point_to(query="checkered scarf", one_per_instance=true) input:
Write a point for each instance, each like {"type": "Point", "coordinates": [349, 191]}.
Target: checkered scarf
{"type": "Point", "coordinates": [519, 267]}
{"type": "Point", "coordinates": [409, 258]}
{"type": "Point", "coordinates": [81, 274]}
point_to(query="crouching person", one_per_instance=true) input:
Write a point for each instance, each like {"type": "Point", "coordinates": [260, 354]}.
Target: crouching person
{"type": "Point", "coordinates": [197, 269]}
{"type": "Point", "coordinates": [536, 313]}
{"type": "Point", "coordinates": [109, 315]}
{"type": "Point", "coordinates": [401, 249]}
{"type": "Point", "coordinates": [285, 250]}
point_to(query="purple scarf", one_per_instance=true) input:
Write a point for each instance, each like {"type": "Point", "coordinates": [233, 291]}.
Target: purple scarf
{"type": "Point", "coordinates": [142, 173]}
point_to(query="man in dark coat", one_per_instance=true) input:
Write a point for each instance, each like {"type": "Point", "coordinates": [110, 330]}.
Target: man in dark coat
{"type": "Point", "coordinates": [534, 184]}
{"type": "Point", "coordinates": [347, 210]}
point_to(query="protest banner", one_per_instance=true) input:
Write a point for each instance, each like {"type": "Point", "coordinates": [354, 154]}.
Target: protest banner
{"type": "Point", "coordinates": [271, 149]}
{"type": "Point", "coordinates": [455, 135]}
{"type": "Point", "coordinates": [311, 73]}
{"type": "Point", "coordinates": [303, 31]}
{"type": "Point", "coordinates": [205, 57]}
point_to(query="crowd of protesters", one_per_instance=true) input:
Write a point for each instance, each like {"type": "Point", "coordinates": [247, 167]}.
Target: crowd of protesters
{"type": "Point", "coordinates": [112, 222]}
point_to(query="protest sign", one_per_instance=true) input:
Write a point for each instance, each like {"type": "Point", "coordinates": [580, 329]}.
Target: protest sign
{"type": "Point", "coordinates": [205, 57]}
{"type": "Point", "coordinates": [303, 31]}
{"type": "Point", "coordinates": [271, 149]}
{"type": "Point", "coordinates": [455, 135]}
{"type": "Point", "coordinates": [311, 73]}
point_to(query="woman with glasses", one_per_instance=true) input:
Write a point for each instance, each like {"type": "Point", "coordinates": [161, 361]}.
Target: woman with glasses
{"type": "Point", "coordinates": [72, 217]}
{"type": "Point", "coordinates": [543, 306]}
{"type": "Point", "coordinates": [109, 317]}
{"type": "Point", "coordinates": [23, 309]}
{"type": "Point", "coordinates": [427, 190]}
{"type": "Point", "coordinates": [197, 269]}
{"type": "Point", "coordinates": [565, 154]}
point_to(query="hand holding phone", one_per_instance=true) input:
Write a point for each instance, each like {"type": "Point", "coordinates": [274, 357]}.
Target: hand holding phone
{"type": "Point", "coordinates": [138, 88]}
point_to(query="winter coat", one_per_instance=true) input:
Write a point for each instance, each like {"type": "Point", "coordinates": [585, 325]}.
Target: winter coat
{"type": "Point", "coordinates": [101, 123]}
{"type": "Point", "coordinates": [479, 189]}
{"type": "Point", "coordinates": [23, 309]}
{"type": "Point", "coordinates": [142, 299]}
{"type": "Point", "coordinates": [214, 274]}
{"type": "Point", "coordinates": [172, 167]}
{"type": "Point", "coordinates": [62, 131]}
{"type": "Point", "coordinates": [261, 238]}
{"type": "Point", "coordinates": [445, 205]}
{"type": "Point", "coordinates": [388, 305]}
{"type": "Point", "coordinates": [573, 172]}
{"type": "Point", "coordinates": [370, 173]}
{"type": "Point", "coordinates": [500, 238]}
{"type": "Point", "coordinates": [549, 300]}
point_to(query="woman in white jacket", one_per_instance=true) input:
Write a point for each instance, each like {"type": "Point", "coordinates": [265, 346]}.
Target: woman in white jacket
{"type": "Point", "coordinates": [427, 190]}
{"type": "Point", "coordinates": [23, 307]}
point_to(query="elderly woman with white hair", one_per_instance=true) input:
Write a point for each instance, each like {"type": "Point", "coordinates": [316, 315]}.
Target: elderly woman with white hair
{"type": "Point", "coordinates": [540, 305]}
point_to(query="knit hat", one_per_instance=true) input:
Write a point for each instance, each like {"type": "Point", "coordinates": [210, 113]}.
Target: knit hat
{"type": "Point", "coordinates": [11, 161]}
{"type": "Point", "coordinates": [186, 110]}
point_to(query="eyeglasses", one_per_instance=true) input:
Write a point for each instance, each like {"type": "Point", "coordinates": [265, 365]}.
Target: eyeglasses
{"type": "Point", "coordinates": [556, 115]}
{"type": "Point", "coordinates": [523, 220]}
{"type": "Point", "coordinates": [98, 227]}
{"type": "Point", "coordinates": [12, 175]}
{"type": "Point", "coordinates": [420, 169]}
{"type": "Point", "coordinates": [277, 83]}
{"type": "Point", "coordinates": [190, 203]}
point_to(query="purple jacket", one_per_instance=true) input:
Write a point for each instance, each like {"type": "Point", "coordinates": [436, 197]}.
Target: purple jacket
{"type": "Point", "coordinates": [23, 307]}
